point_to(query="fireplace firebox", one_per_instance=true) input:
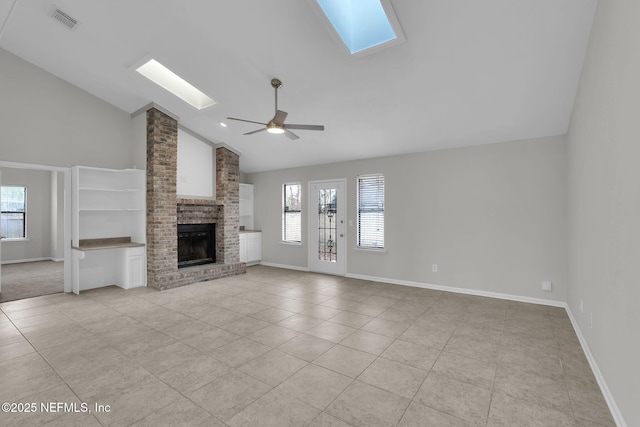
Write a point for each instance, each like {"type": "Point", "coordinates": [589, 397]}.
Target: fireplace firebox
{"type": "Point", "coordinates": [196, 244]}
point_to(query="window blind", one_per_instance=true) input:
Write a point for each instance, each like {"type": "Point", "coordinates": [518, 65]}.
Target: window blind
{"type": "Point", "coordinates": [291, 215]}
{"type": "Point", "coordinates": [13, 203]}
{"type": "Point", "coordinates": [371, 211]}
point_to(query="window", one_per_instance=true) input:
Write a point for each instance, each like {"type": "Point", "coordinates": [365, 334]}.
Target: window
{"type": "Point", "coordinates": [170, 81]}
{"type": "Point", "coordinates": [363, 24]}
{"type": "Point", "coordinates": [292, 213]}
{"type": "Point", "coordinates": [371, 211]}
{"type": "Point", "coordinates": [13, 220]}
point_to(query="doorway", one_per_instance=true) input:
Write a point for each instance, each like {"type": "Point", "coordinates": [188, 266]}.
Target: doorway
{"type": "Point", "coordinates": [327, 231]}
{"type": "Point", "coordinates": [36, 261]}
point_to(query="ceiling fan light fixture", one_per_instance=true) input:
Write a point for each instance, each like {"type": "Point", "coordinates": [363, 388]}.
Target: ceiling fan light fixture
{"type": "Point", "coordinates": [276, 125]}
{"type": "Point", "coordinates": [274, 128]}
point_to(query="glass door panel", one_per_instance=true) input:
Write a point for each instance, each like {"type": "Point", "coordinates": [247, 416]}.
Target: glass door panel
{"type": "Point", "coordinates": [326, 227]}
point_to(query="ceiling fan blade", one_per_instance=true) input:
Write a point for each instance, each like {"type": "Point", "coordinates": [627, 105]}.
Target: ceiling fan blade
{"type": "Point", "coordinates": [291, 135]}
{"type": "Point", "coordinates": [248, 121]}
{"type": "Point", "coordinates": [279, 117]}
{"type": "Point", "coordinates": [255, 131]}
{"type": "Point", "coordinates": [306, 127]}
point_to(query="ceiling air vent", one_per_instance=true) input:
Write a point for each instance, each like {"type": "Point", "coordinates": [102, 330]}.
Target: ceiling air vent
{"type": "Point", "coordinates": [63, 18]}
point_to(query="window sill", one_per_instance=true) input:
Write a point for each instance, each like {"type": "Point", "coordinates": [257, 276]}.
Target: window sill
{"type": "Point", "coordinates": [381, 251]}
{"type": "Point", "coordinates": [282, 242]}
{"type": "Point", "coordinates": [14, 239]}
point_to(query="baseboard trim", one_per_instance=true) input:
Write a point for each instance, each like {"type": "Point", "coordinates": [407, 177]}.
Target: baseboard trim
{"type": "Point", "coordinates": [288, 267]}
{"type": "Point", "coordinates": [19, 261]}
{"type": "Point", "coordinates": [475, 292]}
{"type": "Point", "coordinates": [604, 388]}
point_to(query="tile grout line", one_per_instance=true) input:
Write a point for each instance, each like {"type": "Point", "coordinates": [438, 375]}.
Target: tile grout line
{"type": "Point", "coordinates": [52, 368]}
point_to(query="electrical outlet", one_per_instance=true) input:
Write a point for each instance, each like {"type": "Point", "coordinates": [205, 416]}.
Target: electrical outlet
{"type": "Point", "coordinates": [581, 306]}
{"type": "Point", "coordinates": [591, 320]}
{"type": "Point", "coordinates": [434, 268]}
{"type": "Point", "coordinates": [546, 286]}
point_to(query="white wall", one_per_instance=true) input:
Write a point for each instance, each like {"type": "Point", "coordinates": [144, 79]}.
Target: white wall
{"type": "Point", "coordinates": [492, 217]}
{"type": "Point", "coordinates": [196, 167]}
{"type": "Point", "coordinates": [604, 207]}
{"type": "Point", "coordinates": [38, 243]}
{"type": "Point", "coordinates": [45, 120]}
{"type": "Point", "coordinates": [139, 140]}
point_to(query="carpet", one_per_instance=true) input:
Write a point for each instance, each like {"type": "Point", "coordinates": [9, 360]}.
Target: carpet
{"type": "Point", "coordinates": [31, 279]}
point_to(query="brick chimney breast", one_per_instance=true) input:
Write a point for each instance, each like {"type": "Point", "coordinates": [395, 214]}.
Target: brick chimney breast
{"type": "Point", "coordinates": [165, 210]}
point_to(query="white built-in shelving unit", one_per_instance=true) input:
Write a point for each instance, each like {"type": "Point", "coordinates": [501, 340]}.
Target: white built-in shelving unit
{"type": "Point", "coordinates": [250, 240]}
{"type": "Point", "coordinates": [246, 206]}
{"type": "Point", "coordinates": [108, 227]}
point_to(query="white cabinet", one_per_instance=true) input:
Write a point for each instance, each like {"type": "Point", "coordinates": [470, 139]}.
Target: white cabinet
{"type": "Point", "coordinates": [254, 247]}
{"type": "Point", "coordinates": [244, 254]}
{"type": "Point", "coordinates": [251, 247]}
{"type": "Point", "coordinates": [246, 206]}
{"type": "Point", "coordinates": [108, 227]}
{"type": "Point", "coordinates": [134, 267]}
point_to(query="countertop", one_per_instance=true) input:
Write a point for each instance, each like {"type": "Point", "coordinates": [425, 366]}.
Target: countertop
{"type": "Point", "coordinates": [106, 243]}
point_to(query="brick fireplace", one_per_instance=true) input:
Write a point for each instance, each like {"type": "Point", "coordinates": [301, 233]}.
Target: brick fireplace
{"type": "Point", "coordinates": [165, 211]}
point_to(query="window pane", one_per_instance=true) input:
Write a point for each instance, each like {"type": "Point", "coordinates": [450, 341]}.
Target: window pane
{"type": "Point", "coordinates": [12, 225]}
{"type": "Point", "coordinates": [291, 215]}
{"type": "Point", "coordinates": [13, 206]}
{"type": "Point", "coordinates": [292, 232]}
{"type": "Point", "coordinates": [13, 199]}
{"type": "Point", "coordinates": [371, 211]}
{"type": "Point", "coordinates": [327, 224]}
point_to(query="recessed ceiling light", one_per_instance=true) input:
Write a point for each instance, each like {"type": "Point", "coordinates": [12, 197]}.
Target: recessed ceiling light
{"type": "Point", "coordinates": [223, 124]}
{"type": "Point", "coordinates": [170, 81]}
{"type": "Point", "coordinates": [363, 24]}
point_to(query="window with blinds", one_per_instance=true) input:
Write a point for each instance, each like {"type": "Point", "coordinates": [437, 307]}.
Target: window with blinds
{"type": "Point", "coordinates": [291, 213]}
{"type": "Point", "coordinates": [13, 219]}
{"type": "Point", "coordinates": [371, 211]}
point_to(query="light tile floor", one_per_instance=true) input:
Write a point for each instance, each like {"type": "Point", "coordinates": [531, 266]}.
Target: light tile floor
{"type": "Point", "coordinates": [283, 348]}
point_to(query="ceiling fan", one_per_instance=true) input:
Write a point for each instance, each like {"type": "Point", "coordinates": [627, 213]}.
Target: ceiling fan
{"type": "Point", "coordinates": [276, 125]}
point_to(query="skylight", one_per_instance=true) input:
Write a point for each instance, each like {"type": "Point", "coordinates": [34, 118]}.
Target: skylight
{"type": "Point", "coordinates": [168, 80]}
{"type": "Point", "coordinates": [362, 24]}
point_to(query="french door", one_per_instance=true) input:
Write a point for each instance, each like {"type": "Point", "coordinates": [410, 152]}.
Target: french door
{"type": "Point", "coordinates": [327, 231]}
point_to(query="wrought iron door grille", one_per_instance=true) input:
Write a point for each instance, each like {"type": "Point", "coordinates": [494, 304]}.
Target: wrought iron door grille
{"type": "Point", "coordinates": [327, 225]}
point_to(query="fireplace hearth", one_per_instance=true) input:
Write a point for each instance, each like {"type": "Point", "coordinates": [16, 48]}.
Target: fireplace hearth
{"type": "Point", "coordinates": [196, 244]}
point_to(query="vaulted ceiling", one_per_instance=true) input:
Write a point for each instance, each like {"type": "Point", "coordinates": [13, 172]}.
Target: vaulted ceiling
{"type": "Point", "coordinates": [470, 72]}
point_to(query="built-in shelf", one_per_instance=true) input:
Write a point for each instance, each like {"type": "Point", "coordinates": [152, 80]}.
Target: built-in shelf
{"type": "Point", "coordinates": [106, 205]}
{"type": "Point", "coordinates": [109, 210]}
{"type": "Point", "coordinates": [110, 189]}
{"type": "Point", "coordinates": [246, 206]}
{"type": "Point", "coordinates": [250, 240]}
